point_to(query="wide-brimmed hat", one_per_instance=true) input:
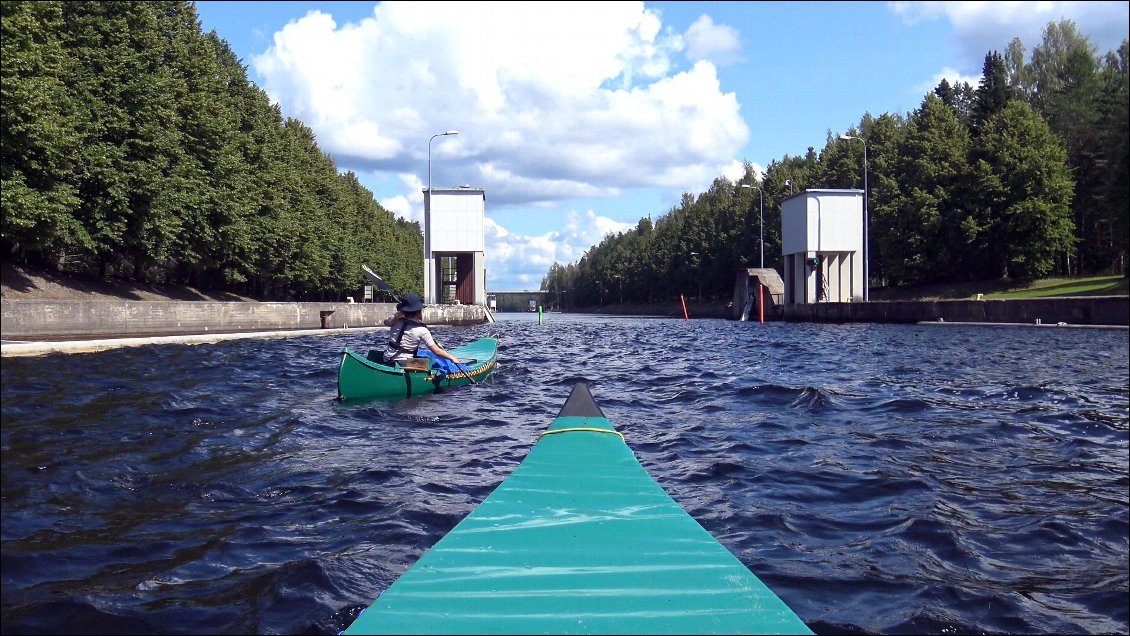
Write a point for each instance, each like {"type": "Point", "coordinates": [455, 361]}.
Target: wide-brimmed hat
{"type": "Point", "coordinates": [410, 303]}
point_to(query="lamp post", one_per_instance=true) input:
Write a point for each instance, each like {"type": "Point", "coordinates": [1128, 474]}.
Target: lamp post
{"type": "Point", "coordinates": [428, 202]}
{"type": "Point", "coordinates": [760, 220]}
{"type": "Point", "coordinates": [442, 134]}
{"type": "Point", "coordinates": [761, 229]}
{"type": "Point", "coordinates": [866, 221]}
{"type": "Point", "coordinates": [429, 264]}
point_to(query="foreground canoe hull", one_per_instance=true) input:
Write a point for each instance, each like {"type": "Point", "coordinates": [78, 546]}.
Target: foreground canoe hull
{"type": "Point", "coordinates": [359, 377]}
{"type": "Point", "coordinates": [579, 539]}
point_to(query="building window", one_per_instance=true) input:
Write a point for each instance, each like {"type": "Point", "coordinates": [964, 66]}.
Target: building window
{"type": "Point", "coordinates": [448, 279]}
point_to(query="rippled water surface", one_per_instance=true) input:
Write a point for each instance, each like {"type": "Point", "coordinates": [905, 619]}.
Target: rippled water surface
{"type": "Point", "coordinates": [885, 479]}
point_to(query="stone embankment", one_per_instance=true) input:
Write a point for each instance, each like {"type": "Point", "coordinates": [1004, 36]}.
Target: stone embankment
{"type": "Point", "coordinates": [76, 319]}
{"type": "Point", "coordinates": [71, 320]}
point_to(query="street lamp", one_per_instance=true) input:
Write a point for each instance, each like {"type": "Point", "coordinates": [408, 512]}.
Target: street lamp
{"type": "Point", "coordinates": [760, 220]}
{"type": "Point", "coordinates": [866, 221]}
{"type": "Point", "coordinates": [429, 264]}
{"type": "Point", "coordinates": [761, 229]}
{"type": "Point", "coordinates": [442, 134]}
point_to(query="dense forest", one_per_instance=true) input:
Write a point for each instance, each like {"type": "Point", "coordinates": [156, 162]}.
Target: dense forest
{"type": "Point", "coordinates": [1021, 177]}
{"type": "Point", "coordinates": [134, 146]}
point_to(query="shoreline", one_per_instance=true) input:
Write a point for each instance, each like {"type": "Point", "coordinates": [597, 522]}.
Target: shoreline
{"type": "Point", "coordinates": [11, 348]}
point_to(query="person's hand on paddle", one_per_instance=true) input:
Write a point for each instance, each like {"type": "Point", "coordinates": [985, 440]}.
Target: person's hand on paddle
{"type": "Point", "coordinates": [441, 352]}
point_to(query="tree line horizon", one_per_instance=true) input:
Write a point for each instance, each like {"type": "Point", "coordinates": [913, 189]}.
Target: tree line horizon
{"type": "Point", "coordinates": [1021, 177]}
{"type": "Point", "coordinates": [135, 146]}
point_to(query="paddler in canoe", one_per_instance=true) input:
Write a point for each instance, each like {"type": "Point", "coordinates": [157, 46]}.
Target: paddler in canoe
{"type": "Point", "coordinates": [407, 332]}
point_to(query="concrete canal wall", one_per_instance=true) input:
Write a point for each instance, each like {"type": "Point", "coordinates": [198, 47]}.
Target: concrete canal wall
{"type": "Point", "coordinates": [1075, 310]}
{"type": "Point", "coordinates": [62, 319]}
{"type": "Point", "coordinates": [77, 319]}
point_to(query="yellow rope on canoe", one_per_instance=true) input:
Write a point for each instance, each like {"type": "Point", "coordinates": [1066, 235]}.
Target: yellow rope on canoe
{"type": "Point", "coordinates": [585, 428]}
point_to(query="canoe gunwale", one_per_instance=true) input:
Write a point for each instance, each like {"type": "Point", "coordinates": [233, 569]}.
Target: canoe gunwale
{"type": "Point", "coordinates": [583, 429]}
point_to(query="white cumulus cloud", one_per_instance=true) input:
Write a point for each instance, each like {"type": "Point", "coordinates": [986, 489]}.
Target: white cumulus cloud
{"type": "Point", "coordinates": [522, 261]}
{"type": "Point", "coordinates": [553, 101]}
{"type": "Point", "coordinates": [718, 43]}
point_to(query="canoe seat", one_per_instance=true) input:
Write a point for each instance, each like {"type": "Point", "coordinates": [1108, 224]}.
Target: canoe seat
{"type": "Point", "coordinates": [416, 364]}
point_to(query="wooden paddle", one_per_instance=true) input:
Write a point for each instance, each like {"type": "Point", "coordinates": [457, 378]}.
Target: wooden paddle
{"type": "Point", "coordinates": [379, 282]}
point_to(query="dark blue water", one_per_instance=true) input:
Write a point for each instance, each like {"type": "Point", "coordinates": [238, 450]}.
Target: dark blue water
{"type": "Point", "coordinates": [881, 479]}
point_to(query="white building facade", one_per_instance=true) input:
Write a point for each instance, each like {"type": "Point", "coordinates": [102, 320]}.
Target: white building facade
{"type": "Point", "coordinates": [454, 252]}
{"type": "Point", "coordinates": [822, 240]}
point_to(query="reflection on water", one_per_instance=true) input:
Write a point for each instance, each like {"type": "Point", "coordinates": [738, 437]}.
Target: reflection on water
{"type": "Point", "coordinates": [879, 478]}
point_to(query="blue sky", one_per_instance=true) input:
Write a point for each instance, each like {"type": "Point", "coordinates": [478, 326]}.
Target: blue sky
{"type": "Point", "coordinates": [580, 118]}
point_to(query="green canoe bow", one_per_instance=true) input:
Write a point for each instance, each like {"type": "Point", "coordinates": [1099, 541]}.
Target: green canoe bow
{"type": "Point", "coordinates": [359, 377]}
{"type": "Point", "coordinates": [579, 539]}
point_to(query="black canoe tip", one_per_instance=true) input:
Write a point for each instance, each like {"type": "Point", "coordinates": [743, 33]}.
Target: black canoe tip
{"type": "Point", "coordinates": [580, 403]}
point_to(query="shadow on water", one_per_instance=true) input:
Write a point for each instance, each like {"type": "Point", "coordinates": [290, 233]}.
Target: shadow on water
{"type": "Point", "coordinates": [879, 478]}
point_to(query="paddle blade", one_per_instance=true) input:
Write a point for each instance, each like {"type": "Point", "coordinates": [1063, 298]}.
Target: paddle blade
{"type": "Point", "coordinates": [378, 281]}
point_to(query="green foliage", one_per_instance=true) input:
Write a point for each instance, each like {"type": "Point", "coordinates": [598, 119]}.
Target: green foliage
{"type": "Point", "coordinates": [134, 145]}
{"type": "Point", "coordinates": [1113, 196]}
{"type": "Point", "coordinates": [39, 136]}
{"type": "Point", "coordinates": [1084, 102]}
{"type": "Point", "coordinates": [927, 212]}
{"type": "Point", "coordinates": [1023, 188]}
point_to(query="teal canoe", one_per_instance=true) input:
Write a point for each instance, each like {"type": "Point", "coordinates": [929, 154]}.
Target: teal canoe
{"type": "Point", "coordinates": [578, 539]}
{"type": "Point", "coordinates": [360, 377]}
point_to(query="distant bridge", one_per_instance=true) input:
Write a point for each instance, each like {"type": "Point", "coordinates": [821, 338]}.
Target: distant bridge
{"type": "Point", "coordinates": [525, 300]}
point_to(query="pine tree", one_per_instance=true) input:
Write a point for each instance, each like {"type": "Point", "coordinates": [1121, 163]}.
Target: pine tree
{"type": "Point", "coordinates": [1021, 194]}
{"type": "Point", "coordinates": [993, 92]}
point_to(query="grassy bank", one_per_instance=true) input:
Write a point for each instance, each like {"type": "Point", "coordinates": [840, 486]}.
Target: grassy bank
{"type": "Point", "coordinates": [1003, 289]}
